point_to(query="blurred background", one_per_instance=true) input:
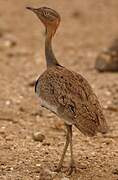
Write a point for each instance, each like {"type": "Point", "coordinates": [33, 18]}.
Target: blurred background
{"type": "Point", "coordinates": [32, 138]}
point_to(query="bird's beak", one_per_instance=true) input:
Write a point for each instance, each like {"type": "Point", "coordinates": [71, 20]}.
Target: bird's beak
{"type": "Point", "coordinates": [32, 9]}
{"type": "Point", "coordinates": [36, 11]}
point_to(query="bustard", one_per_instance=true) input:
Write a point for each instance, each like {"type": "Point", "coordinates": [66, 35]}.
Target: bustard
{"type": "Point", "coordinates": [66, 93]}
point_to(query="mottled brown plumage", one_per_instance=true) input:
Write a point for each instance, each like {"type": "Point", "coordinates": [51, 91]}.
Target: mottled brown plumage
{"type": "Point", "coordinates": [72, 98]}
{"type": "Point", "coordinates": [67, 93]}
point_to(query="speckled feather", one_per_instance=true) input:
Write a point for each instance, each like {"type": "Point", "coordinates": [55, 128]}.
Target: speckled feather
{"type": "Point", "coordinates": [72, 98]}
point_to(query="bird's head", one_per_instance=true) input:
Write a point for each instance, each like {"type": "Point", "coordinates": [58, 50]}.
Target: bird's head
{"type": "Point", "coordinates": [49, 17]}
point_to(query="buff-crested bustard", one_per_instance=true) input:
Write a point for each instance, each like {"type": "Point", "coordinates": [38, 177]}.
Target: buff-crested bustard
{"type": "Point", "coordinates": [66, 93]}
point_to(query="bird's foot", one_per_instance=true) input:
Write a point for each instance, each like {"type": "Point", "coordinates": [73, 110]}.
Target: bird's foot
{"type": "Point", "coordinates": [71, 169]}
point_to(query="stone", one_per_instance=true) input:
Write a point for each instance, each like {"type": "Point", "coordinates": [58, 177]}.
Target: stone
{"type": "Point", "coordinates": [37, 136]}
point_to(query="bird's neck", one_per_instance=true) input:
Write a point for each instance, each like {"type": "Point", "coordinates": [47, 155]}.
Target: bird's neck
{"type": "Point", "coordinates": [50, 57]}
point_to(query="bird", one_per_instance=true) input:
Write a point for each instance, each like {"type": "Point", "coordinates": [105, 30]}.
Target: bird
{"type": "Point", "coordinates": [65, 92]}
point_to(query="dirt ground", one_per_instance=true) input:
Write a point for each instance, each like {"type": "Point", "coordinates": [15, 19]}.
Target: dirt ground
{"type": "Point", "coordinates": [87, 27]}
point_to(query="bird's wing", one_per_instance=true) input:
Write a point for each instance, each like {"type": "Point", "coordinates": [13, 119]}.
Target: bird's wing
{"type": "Point", "coordinates": [73, 99]}
{"type": "Point", "coordinates": [79, 105]}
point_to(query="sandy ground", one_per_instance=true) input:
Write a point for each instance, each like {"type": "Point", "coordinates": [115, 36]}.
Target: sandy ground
{"type": "Point", "coordinates": [86, 28]}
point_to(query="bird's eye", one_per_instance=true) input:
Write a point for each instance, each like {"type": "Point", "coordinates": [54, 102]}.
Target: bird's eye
{"type": "Point", "coordinates": [46, 13]}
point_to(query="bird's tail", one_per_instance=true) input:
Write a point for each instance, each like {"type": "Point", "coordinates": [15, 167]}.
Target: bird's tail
{"type": "Point", "coordinates": [103, 127]}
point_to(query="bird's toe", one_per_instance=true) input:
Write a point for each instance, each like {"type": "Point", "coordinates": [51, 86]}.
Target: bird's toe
{"type": "Point", "coordinates": [71, 169]}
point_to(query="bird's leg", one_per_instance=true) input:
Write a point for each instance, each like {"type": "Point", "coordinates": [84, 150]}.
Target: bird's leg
{"type": "Point", "coordinates": [64, 151]}
{"type": "Point", "coordinates": [72, 163]}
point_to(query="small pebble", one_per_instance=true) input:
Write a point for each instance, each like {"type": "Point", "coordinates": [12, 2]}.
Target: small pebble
{"type": "Point", "coordinates": [37, 136]}
{"type": "Point", "coordinates": [8, 103]}
{"type": "Point", "coordinates": [46, 144]}
{"type": "Point", "coordinates": [108, 93]}
{"type": "Point", "coordinates": [11, 168]}
{"type": "Point", "coordinates": [9, 137]}
{"type": "Point", "coordinates": [115, 171]}
{"type": "Point", "coordinates": [65, 178]}
{"type": "Point", "coordinates": [38, 165]}
{"type": "Point", "coordinates": [76, 14]}
{"type": "Point", "coordinates": [7, 42]}
{"type": "Point", "coordinates": [22, 109]}
{"type": "Point", "coordinates": [112, 108]}
{"type": "Point", "coordinates": [46, 174]}
{"type": "Point", "coordinates": [2, 130]}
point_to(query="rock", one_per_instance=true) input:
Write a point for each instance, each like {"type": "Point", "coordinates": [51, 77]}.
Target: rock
{"type": "Point", "coordinates": [112, 108]}
{"type": "Point", "coordinates": [115, 171]}
{"type": "Point", "coordinates": [11, 168]}
{"type": "Point", "coordinates": [8, 102]}
{"type": "Point", "coordinates": [2, 130]}
{"type": "Point", "coordinates": [37, 136]}
{"type": "Point", "coordinates": [38, 165]}
{"type": "Point", "coordinates": [7, 41]}
{"type": "Point", "coordinates": [9, 138]}
{"type": "Point", "coordinates": [107, 60]}
{"type": "Point", "coordinates": [46, 174]}
{"type": "Point", "coordinates": [46, 144]}
{"type": "Point", "coordinates": [21, 109]}
{"type": "Point", "coordinates": [37, 114]}
{"type": "Point", "coordinates": [76, 14]}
